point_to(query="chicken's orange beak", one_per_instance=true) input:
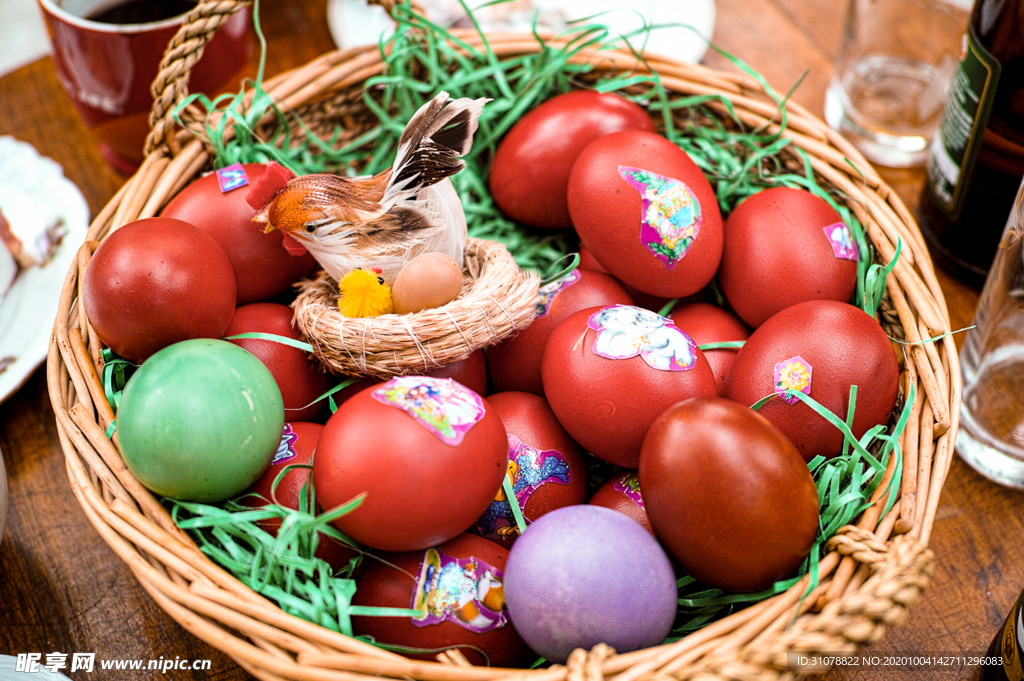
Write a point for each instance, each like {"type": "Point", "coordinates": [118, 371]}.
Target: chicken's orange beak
{"type": "Point", "coordinates": [263, 217]}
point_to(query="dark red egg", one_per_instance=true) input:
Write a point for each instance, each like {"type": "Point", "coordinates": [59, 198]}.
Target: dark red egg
{"type": "Point", "coordinates": [297, 447]}
{"type": "Point", "coordinates": [707, 323]}
{"type": "Point", "coordinates": [155, 282]}
{"type": "Point", "coordinates": [640, 299]}
{"type": "Point", "coordinates": [728, 494]}
{"type": "Point", "coordinates": [429, 454]}
{"type": "Point", "coordinates": [299, 377]}
{"type": "Point", "coordinates": [531, 167]}
{"type": "Point", "coordinates": [263, 268]}
{"type": "Point", "coordinates": [547, 467]}
{"type": "Point", "coordinates": [622, 494]}
{"type": "Point", "coordinates": [470, 372]}
{"type": "Point", "coordinates": [608, 372]}
{"type": "Point", "coordinates": [823, 347]}
{"type": "Point", "coordinates": [646, 212]}
{"type": "Point", "coordinates": [784, 246]}
{"type": "Point", "coordinates": [472, 616]}
{"type": "Point", "coordinates": [515, 363]}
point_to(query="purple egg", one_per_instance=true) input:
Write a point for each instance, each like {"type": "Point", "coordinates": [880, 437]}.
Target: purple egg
{"type": "Point", "coordinates": [583, 575]}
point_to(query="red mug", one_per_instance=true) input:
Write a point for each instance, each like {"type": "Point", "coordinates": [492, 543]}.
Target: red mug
{"type": "Point", "coordinates": [107, 69]}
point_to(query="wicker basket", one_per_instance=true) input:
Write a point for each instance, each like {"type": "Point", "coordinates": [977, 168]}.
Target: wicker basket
{"type": "Point", "coordinates": [873, 572]}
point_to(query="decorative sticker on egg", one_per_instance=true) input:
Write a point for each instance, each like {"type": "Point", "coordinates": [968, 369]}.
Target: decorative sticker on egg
{"type": "Point", "coordinates": [625, 331]}
{"type": "Point", "coordinates": [548, 291]}
{"type": "Point", "coordinates": [670, 218]}
{"type": "Point", "coordinates": [792, 375]}
{"type": "Point", "coordinates": [842, 243]}
{"type": "Point", "coordinates": [466, 591]}
{"type": "Point", "coordinates": [232, 177]}
{"type": "Point", "coordinates": [444, 407]}
{"type": "Point", "coordinates": [286, 450]}
{"type": "Point", "coordinates": [529, 468]}
{"type": "Point", "coordinates": [629, 484]}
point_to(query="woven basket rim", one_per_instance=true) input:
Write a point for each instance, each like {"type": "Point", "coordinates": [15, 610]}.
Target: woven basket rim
{"type": "Point", "coordinates": [870, 576]}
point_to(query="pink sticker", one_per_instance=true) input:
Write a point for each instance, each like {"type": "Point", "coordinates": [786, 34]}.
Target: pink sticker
{"type": "Point", "coordinates": [286, 450]}
{"type": "Point", "coordinates": [629, 484]}
{"type": "Point", "coordinates": [626, 331]}
{"type": "Point", "coordinates": [670, 218]}
{"type": "Point", "coordinates": [792, 375]}
{"type": "Point", "coordinates": [841, 241]}
{"type": "Point", "coordinates": [466, 591]}
{"type": "Point", "coordinates": [444, 407]}
{"type": "Point", "coordinates": [549, 291]}
{"type": "Point", "coordinates": [530, 468]}
{"type": "Point", "coordinates": [232, 177]}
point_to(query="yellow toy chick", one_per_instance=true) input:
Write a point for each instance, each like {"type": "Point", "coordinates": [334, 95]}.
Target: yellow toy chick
{"type": "Point", "coordinates": [364, 294]}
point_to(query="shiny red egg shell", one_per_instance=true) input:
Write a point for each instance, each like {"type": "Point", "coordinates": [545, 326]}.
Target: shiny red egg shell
{"type": "Point", "coordinates": [777, 254]}
{"type": "Point", "coordinates": [728, 494]}
{"type": "Point", "coordinates": [420, 491]}
{"type": "Point", "coordinates": [844, 347]}
{"type": "Point", "coordinates": [622, 494]}
{"type": "Point", "coordinates": [608, 213]}
{"type": "Point", "coordinates": [298, 375]}
{"type": "Point", "coordinates": [640, 299]}
{"type": "Point", "coordinates": [707, 323]}
{"type": "Point", "coordinates": [606, 405]}
{"type": "Point", "coordinates": [562, 481]}
{"type": "Point", "coordinates": [155, 282]}
{"type": "Point", "coordinates": [515, 363]}
{"type": "Point", "coordinates": [263, 269]}
{"type": "Point", "coordinates": [531, 167]}
{"type": "Point", "coordinates": [381, 585]}
{"type": "Point", "coordinates": [297, 447]}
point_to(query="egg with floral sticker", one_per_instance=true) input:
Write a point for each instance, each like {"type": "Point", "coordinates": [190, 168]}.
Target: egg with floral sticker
{"type": "Point", "coordinates": [609, 371]}
{"type": "Point", "coordinates": [428, 453]}
{"type": "Point", "coordinates": [622, 494]}
{"type": "Point", "coordinates": [647, 214]}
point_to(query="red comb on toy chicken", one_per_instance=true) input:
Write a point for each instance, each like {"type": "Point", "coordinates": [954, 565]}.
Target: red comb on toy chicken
{"type": "Point", "coordinates": [388, 219]}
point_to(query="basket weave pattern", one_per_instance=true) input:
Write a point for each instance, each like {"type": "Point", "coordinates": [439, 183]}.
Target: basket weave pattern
{"type": "Point", "coordinates": [872, 573]}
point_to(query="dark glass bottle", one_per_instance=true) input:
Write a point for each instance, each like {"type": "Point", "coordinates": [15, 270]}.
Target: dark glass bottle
{"type": "Point", "coordinates": [977, 158]}
{"type": "Point", "coordinates": [1003, 661]}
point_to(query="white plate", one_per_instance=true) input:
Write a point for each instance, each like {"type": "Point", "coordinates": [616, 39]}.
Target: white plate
{"type": "Point", "coordinates": [355, 22]}
{"type": "Point", "coordinates": [34, 187]}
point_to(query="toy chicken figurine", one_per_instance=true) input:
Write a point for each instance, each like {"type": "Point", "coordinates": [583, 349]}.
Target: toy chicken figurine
{"type": "Point", "coordinates": [385, 220]}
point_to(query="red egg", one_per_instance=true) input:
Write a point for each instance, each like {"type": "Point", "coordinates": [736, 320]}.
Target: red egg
{"type": "Point", "coordinates": [820, 347]}
{"type": "Point", "coordinates": [297, 447]}
{"type": "Point", "coordinates": [647, 213]}
{"type": "Point", "coordinates": [531, 167]}
{"type": "Point", "coordinates": [727, 494]}
{"type": "Point", "coordinates": [263, 268]}
{"type": "Point", "coordinates": [473, 619]}
{"type": "Point", "coordinates": [299, 376]}
{"type": "Point", "coordinates": [622, 494]}
{"type": "Point", "coordinates": [515, 364]}
{"type": "Point", "coordinates": [706, 323]}
{"type": "Point", "coordinates": [608, 372]}
{"type": "Point", "coordinates": [429, 454]}
{"type": "Point", "coordinates": [640, 299]}
{"type": "Point", "coordinates": [784, 246]}
{"type": "Point", "coordinates": [547, 467]}
{"type": "Point", "coordinates": [470, 372]}
{"type": "Point", "coordinates": [155, 282]}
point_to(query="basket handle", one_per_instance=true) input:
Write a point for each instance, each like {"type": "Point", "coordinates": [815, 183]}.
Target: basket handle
{"type": "Point", "coordinates": [170, 88]}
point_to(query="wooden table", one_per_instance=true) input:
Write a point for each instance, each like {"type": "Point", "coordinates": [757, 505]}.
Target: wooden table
{"type": "Point", "coordinates": [63, 590]}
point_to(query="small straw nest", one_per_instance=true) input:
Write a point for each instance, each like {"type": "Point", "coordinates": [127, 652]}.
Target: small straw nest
{"type": "Point", "coordinates": [497, 300]}
{"type": "Point", "coordinates": [872, 573]}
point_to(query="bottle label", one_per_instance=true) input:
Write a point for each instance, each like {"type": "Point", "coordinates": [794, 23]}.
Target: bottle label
{"type": "Point", "coordinates": [958, 139]}
{"type": "Point", "coordinates": [1013, 634]}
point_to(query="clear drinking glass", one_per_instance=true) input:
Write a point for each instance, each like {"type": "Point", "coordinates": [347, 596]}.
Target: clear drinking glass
{"type": "Point", "coordinates": [889, 83]}
{"type": "Point", "coordinates": [991, 437]}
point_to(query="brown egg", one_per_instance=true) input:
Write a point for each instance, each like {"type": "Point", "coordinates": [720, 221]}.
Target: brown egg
{"type": "Point", "coordinates": [515, 363]}
{"type": "Point", "coordinates": [622, 494]}
{"type": "Point", "coordinates": [547, 466]}
{"type": "Point", "coordinates": [428, 280]}
{"type": "Point", "coordinates": [728, 494]}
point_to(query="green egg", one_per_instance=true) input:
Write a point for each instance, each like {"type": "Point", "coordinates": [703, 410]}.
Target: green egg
{"type": "Point", "coordinates": [200, 421]}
